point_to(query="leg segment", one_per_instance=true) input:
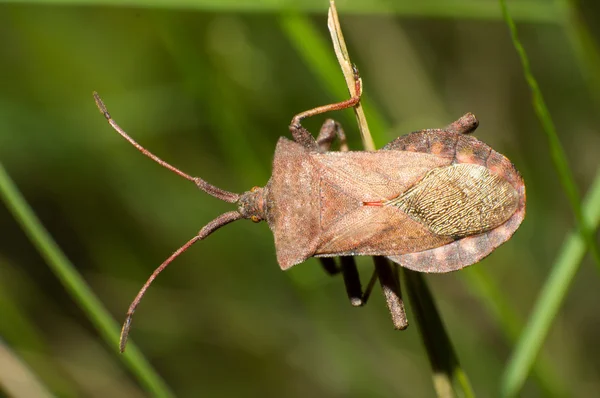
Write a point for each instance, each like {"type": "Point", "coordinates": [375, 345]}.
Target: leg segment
{"type": "Point", "coordinates": [351, 278]}
{"type": "Point", "coordinates": [329, 266]}
{"type": "Point", "coordinates": [329, 131]}
{"type": "Point", "coordinates": [303, 136]}
{"type": "Point", "coordinates": [390, 284]}
{"type": "Point", "coordinates": [420, 140]}
{"type": "Point", "coordinates": [465, 125]}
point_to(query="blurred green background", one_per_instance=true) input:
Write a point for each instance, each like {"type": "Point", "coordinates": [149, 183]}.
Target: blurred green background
{"type": "Point", "coordinates": [209, 87]}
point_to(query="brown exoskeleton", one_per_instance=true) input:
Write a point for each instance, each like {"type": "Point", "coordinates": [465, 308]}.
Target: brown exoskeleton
{"type": "Point", "coordinates": [434, 200]}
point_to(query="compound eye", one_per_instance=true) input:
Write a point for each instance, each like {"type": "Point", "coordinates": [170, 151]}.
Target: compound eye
{"type": "Point", "coordinates": [255, 218]}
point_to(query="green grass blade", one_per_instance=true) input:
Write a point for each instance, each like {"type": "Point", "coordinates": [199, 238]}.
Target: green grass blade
{"type": "Point", "coordinates": [585, 48]}
{"type": "Point", "coordinates": [447, 373]}
{"type": "Point", "coordinates": [557, 152]}
{"type": "Point", "coordinates": [20, 332]}
{"type": "Point", "coordinates": [550, 299]}
{"type": "Point", "coordinates": [547, 377]}
{"type": "Point", "coordinates": [76, 286]}
{"type": "Point", "coordinates": [564, 269]}
{"type": "Point", "coordinates": [525, 10]}
{"type": "Point", "coordinates": [16, 378]}
{"type": "Point", "coordinates": [320, 58]}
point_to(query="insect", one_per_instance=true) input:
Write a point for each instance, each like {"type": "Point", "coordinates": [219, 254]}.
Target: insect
{"type": "Point", "coordinates": [435, 200]}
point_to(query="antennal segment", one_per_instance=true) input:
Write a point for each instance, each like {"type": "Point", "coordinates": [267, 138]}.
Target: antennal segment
{"type": "Point", "coordinates": [203, 185]}
{"type": "Point", "coordinates": [208, 229]}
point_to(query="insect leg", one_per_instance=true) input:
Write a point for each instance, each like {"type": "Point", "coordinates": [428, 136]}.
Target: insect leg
{"type": "Point", "coordinates": [352, 281]}
{"type": "Point", "coordinates": [329, 266]}
{"type": "Point", "coordinates": [329, 131]}
{"type": "Point", "coordinates": [350, 274]}
{"type": "Point", "coordinates": [303, 136]}
{"type": "Point", "coordinates": [465, 125]}
{"type": "Point", "coordinates": [390, 284]}
{"type": "Point", "coordinates": [351, 278]}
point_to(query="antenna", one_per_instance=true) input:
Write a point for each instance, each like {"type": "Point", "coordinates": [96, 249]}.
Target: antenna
{"type": "Point", "coordinates": [208, 229]}
{"type": "Point", "coordinates": [203, 185]}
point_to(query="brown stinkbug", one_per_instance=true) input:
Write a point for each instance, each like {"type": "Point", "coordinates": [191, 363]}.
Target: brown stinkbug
{"type": "Point", "coordinates": [434, 200]}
